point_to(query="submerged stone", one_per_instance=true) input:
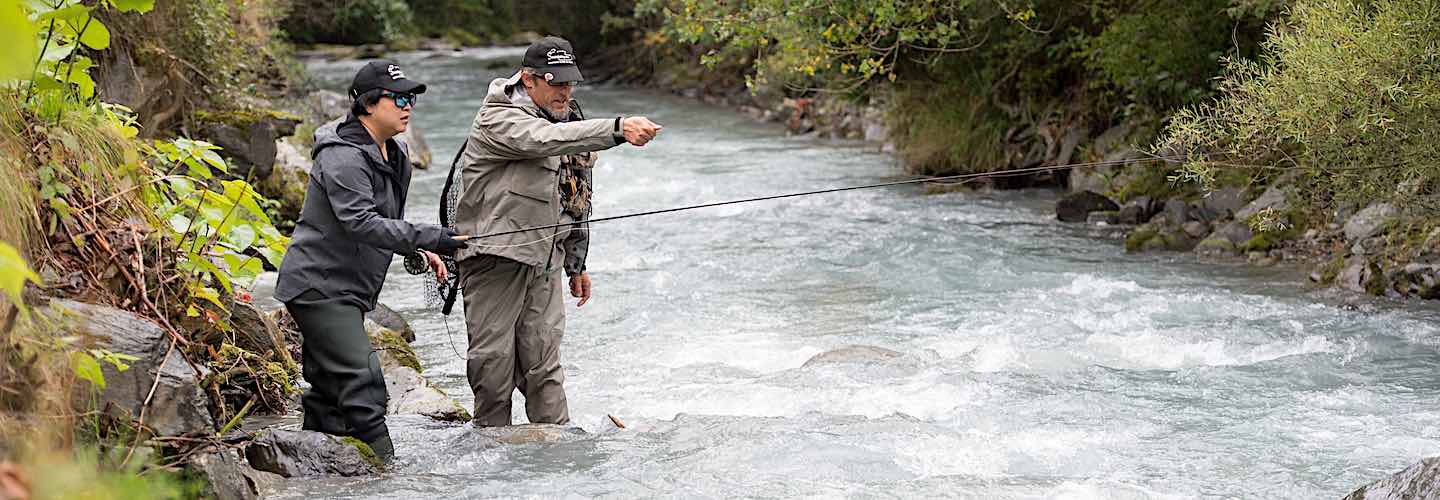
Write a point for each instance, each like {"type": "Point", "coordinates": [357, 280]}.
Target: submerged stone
{"type": "Point", "coordinates": [854, 354]}
{"type": "Point", "coordinates": [533, 433]}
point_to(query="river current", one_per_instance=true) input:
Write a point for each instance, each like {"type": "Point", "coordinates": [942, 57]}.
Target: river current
{"type": "Point", "coordinates": [1038, 359]}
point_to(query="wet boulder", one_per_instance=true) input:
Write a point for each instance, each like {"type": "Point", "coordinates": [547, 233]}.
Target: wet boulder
{"type": "Point", "coordinates": [179, 405]}
{"type": "Point", "coordinates": [292, 453]}
{"type": "Point", "coordinates": [1076, 207]}
{"type": "Point", "coordinates": [1417, 482]}
{"type": "Point", "coordinates": [533, 433]}
{"type": "Point", "coordinates": [853, 354]}
{"type": "Point", "coordinates": [228, 477]}
{"type": "Point", "coordinates": [386, 317]}
{"type": "Point", "coordinates": [409, 391]}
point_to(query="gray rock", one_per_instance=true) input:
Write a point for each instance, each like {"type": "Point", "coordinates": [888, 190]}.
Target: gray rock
{"type": "Point", "coordinates": [420, 155]}
{"type": "Point", "coordinates": [1076, 207]}
{"type": "Point", "coordinates": [1359, 275]}
{"type": "Point", "coordinates": [1370, 222]}
{"type": "Point", "coordinates": [1196, 229]}
{"type": "Point", "coordinates": [386, 317]}
{"type": "Point", "coordinates": [853, 354]}
{"type": "Point", "coordinates": [1417, 482]}
{"type": "Point", "coordinates": [412, 393]}
{"type": "Point", "coordinates": [307, 453]}
{"type": "Point", "coordinates": [1274, 197]}
{"type": "Point", "coordinates": [328, 105]}
{"type": "Point", "coordinates": [1226, 240]}
{"type": "Point", "coordinates": [1225, 202]}
{"type": "Point", "coordinates": [288, 180]}
{"type": "Point", "coordinates": [1177, 211]}
{"type": "Point", "coordinates": [228, 477]}
{"type": "Point", "coordinates": [256, 332]}
{"type": "Point", "coordinates": [179, 405]}
{"type": "Point", "coordinates": [1419, 280]}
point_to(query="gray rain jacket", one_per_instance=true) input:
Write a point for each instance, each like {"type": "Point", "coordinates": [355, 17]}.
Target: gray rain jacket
{"type": "Point", "coordinates": [510, 171]}
{"type": "Point", "coordinates": [352, 222]}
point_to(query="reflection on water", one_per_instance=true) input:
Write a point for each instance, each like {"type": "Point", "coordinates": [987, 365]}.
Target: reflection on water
{"type": "Point", "coordinates": [1038, 361]}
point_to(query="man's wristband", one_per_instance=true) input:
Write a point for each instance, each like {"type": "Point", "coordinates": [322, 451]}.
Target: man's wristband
{"type": "Point", "coordinates": [618, 134]}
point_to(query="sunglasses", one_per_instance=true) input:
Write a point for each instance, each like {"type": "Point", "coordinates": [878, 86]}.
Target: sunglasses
{"type": "Point", "coordinates": [401, 100]}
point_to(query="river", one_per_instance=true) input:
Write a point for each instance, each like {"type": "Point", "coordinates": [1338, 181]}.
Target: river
{"type": "Point", "coordinates": [1039, 360]}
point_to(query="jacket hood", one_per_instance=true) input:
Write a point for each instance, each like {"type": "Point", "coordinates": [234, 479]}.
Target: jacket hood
{"type": "Point", "coordinates": [328, 135]}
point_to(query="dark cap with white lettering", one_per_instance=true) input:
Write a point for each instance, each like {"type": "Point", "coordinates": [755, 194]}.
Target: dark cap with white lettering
{"type": "Point", "coordinates": [553, 59]}
{"type": "Point", "coordinates": [383, 75]}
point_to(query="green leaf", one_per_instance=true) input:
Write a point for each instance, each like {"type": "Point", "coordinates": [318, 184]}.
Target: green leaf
{"type": "Point", "coordinates": [87, 368]}
{"type": "Point", "coordinates": [242, 236]}
{"type": "Point", "coordinates": [95, 36]}
{"type": "Point", "coordinates": [209, 294]}
{"type": "Point", "coordinates": [141, 6]}
{"type": "Point", "coordinates": [17, 35]}
{"type": "Point", "coordinates": [14, 272]}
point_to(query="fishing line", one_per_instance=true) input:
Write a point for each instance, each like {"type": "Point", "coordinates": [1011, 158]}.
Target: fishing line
{"type": "Point", "coordinates": [958, 177]}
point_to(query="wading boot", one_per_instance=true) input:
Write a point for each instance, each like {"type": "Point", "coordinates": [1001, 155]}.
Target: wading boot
{"type": "Point", "coordinates": [383, 448]}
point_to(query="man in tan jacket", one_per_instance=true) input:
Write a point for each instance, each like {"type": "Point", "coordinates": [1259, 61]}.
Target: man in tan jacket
{"type": "Point", "coordinates": [512, 284]}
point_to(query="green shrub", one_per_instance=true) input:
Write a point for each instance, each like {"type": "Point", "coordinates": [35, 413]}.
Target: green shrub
{"type": "Point", "coordinates": [349, 22]}
{"type": "Point", "coordinates": [1347, 93]}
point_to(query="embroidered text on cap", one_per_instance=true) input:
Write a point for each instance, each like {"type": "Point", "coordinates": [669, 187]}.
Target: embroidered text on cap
{"type": "Point", "coordinates": [559, 56]}
{"type": "Point", "coordinates": [395, 73]}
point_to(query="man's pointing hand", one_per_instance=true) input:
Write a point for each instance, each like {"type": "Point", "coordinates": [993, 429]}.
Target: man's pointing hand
{"type": "Point", "coordinates": [639, 130]}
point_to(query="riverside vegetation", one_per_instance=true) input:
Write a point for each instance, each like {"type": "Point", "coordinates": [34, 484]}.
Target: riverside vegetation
{"type": "Point", "coordinates": [1296, 129]}
{"type": "Point", "coordinates": [1328, 106]}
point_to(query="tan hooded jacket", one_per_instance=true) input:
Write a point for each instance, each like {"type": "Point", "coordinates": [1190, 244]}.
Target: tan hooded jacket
{"type": "Point", "coordinates": [510, 171]}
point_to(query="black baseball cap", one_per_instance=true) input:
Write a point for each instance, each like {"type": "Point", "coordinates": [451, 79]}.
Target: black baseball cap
{"type": "Point", "coordinates": [553, 59]}
{"type": "Point", "coordinates": [383, 75]}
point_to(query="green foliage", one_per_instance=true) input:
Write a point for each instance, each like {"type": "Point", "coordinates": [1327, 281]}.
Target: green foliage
{"type": "Point", "coordinates": [348, 21]}
{"type": "Point", "coordinates": [1161, 53]}
{"type": "Point", "coordinates": [466, 22]}
{"type": "Point", "coordinates": [14, 272]}
{"type": "Point", "coordinates": [1347, 93]}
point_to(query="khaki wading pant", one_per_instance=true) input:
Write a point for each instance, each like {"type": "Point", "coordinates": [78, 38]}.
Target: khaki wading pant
{"type": "Point", "coordinates": [515, 318]}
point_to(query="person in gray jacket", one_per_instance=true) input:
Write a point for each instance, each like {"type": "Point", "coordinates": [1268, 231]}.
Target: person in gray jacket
{"type": "Point", "coordinates": [351, 225]}
{"type": "Point", "coordinates": [512, 286]}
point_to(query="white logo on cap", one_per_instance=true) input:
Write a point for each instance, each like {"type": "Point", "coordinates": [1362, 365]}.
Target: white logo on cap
{"type": "Point", "coordinates": [395, 73]}
{"type": "Point", "coordinates": [549, 76]}
{"type": "Point", "coordinates": [559, 56]}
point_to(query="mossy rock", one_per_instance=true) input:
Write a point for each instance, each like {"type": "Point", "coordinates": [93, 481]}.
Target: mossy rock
{"type": "Point", "coordinates": [392, 343]}
{"type": "Point", "coordinates": [1138, 239]}
{"type": "Point", "coordinates": [365, 451]}
{"type": "Point", "coordinates": [1262, 242]}
{"type": "Point", "coordinates": [243, 118]}
{"type": "Point", "coordinates": [1216, 246]}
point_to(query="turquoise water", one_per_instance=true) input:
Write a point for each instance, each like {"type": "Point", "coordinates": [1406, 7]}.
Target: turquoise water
{"type": "Point", "coordinates": [1039, 360]}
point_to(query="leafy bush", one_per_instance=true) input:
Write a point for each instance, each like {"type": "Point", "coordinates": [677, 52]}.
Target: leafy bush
{"type": "Point", "coordinates": [347, 21]}
{"type": "Point", "coordinates": [1347, 94]}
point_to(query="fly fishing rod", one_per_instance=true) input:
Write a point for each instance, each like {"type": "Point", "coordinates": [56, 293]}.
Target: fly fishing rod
{"type": "Point", "coordinates": [957, 177]}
